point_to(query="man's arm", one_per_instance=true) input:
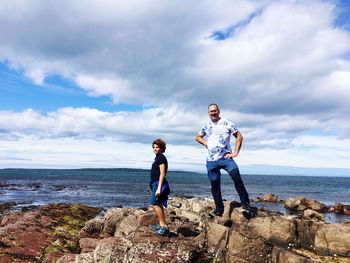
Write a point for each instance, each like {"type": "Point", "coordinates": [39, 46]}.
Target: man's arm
{"type": "Point", "coordinates": [199, 138]}
{"type": "Point", "coordinates": [239, 139]}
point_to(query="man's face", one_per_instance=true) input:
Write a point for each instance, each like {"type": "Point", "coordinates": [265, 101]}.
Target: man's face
{"type": "Point", "coordinates": [214, 113]}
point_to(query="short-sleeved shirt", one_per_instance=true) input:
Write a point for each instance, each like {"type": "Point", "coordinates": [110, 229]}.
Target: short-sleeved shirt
{"type": "Point", "coordinates": [155, 171]}
{"type": "Point", "coordinates": [218, 137]}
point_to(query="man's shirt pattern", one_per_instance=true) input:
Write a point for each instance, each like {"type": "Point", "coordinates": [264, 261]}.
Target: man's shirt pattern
{"type": "Point", "coordinates": [218, 137]}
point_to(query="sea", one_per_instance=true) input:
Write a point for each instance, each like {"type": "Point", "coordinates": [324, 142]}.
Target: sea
{"type": "Point", "coordinates": [121, 187]}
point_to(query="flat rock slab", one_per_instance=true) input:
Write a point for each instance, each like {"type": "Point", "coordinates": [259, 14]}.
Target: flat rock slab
{"type": "Point", "coordinates": [43, 235]}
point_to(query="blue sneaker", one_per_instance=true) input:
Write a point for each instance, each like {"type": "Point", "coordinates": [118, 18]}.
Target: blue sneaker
{"type": "Point", "coordinates": [162, 231]}
{"type": "Point", "coordinates": [155, 227]}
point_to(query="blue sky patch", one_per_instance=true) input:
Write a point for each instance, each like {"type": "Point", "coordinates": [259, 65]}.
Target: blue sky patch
{"type": "Point", "coordinates": [19, 93]}
{"type": "Point", "coordinates": [230, 31]}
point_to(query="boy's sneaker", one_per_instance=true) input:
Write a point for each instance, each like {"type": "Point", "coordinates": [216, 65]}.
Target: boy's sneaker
{"type": "Point", "coordinates": [162, 231]}
{"type": "Point", "coordinates": [155, 227]}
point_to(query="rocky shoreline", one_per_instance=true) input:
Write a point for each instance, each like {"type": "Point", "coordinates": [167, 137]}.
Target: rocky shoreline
{"type": "Point", "coordinates": [72, 233]}
{"type": "Point", "coordinates": [301, 203]}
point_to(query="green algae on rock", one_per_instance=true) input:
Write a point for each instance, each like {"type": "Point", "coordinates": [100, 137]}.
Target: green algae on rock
{"type": "Point", "coordinates": [43, 235]}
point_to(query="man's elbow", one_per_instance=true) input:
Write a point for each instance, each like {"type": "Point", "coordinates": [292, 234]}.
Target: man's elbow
{"type": "Point", "coordinates": [239, 136]}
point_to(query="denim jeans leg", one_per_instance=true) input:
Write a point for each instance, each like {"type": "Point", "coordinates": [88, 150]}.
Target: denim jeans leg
{"type": "Point", "coordinates": [216, 192]}
{"type": "Point", "coordinates": [214, 177]}
{"type": "Point", "coordinates": [240, 188]}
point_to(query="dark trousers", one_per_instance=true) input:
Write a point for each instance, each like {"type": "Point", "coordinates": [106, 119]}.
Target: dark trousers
{"type": "Point", "coordinates": [214, 175]}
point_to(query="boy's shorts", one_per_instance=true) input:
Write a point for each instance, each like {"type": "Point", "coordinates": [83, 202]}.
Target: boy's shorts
{"type": "Point", "coordinates": [156, 200]}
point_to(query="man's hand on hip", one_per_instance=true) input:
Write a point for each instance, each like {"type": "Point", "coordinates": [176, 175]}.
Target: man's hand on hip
{"type": "Point", "coordinates": [230, 155]}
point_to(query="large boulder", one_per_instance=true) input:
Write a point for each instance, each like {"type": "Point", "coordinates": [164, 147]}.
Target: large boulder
{"type": "Point", "coordinates": [124, 236]}
{"type": "Point", "coordinates": [341, 209]}
{"type": "Point", "coordinates": [301, 203]}
{"type": "Point", "coordinates": [333, 239]}
{"type": "Point", "coordinates": [271, 198]}
{"type": "Point", "coordinates": [275, 228]}
{"type": "Point", "coordinates": [281, 255]}
{"type": "Point", "coordinates": [310, 214]}
{"type": "Point", "coordinates": [241, 248]}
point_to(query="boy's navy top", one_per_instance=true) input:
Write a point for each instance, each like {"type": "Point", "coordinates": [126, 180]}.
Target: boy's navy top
{"type": "Point", "coordinates": [155, 171]}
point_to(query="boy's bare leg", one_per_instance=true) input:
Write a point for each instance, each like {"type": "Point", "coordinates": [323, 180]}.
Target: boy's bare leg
{"type": "Point", "coordinates": [158, 209]}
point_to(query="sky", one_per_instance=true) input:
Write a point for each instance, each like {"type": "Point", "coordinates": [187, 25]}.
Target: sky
{"type": "Point", "coordinates": [92, 83]}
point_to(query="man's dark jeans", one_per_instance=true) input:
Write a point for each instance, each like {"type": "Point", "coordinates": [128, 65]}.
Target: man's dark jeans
{"type": "Point", "coordinates": [230, 166]}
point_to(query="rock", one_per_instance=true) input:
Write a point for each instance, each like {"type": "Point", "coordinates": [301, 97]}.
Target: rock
{"type": "Point", "coordinates": [216, 234]}
{"type": "Point", "coordinates": [330, 209]}
{"type": "Point", "coordinates": [88, 244]}
{"type": "Point", "coordinates": [313, 215]}
{"type": "Point", "coordinates": [301, 203]}
{"type": "Point", "coordinates": [92, 228]}
{"type": "Point", "coordinates": [43, 235]}
{"type": "Point", "coordinates": [70, 258]}
{"type": "Point", "coordinates": [6, 207]}
{"type": "Point", "coordinates": [305, 233]}
{"type": "Point", "coordinates": [122, 235]}
{"type": "Point", "coordinates": [271, 198]}
{"type": "Point", "coordinates": [244, 249]}
{"type": "Point", "coordinates": [257, 200]}
{"type": "Point", "coordinates": [341, 208]}
{"type": "Point", "coordinates": [281, 255]}
{"type": "Point", "coordinates": [338, 207]}
{"type": "Point", "coordinates": [346, 209]}
{"type": "Point", "coordinates": [271, 226]}
{"type": "Point", "coordinates": [191, 216]}
{"type": "Point", "coordinates": [148, 219]}
{"type": "Point", "coordinates": [333, 239]}
{"type": "Point", "coordinates": [110, 250]}
{"type": "Point", "coordinates": [316, 206]}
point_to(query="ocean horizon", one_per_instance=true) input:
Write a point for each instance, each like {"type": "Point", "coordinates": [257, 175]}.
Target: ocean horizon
{"type": "Point", "coordinates": [129, 187]}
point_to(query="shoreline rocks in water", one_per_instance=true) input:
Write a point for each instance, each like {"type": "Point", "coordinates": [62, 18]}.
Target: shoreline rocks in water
{"type": "Point", "coordinates": [58, 233]}
{"type": "Point", "coordinates": [301, 203]}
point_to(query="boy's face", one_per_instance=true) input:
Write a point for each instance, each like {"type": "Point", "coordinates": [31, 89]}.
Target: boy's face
{"type": "Point", "coordinates": [156, 149]}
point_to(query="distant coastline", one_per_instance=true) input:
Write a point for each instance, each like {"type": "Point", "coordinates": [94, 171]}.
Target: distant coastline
{"type": "Point", "coordinates": [265, 170]}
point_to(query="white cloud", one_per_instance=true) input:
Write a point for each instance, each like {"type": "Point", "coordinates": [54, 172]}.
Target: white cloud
{"type": "Point", "coordinates": [172, 124]}
{"type": "Point", "coordinates": [90, 138]}
{"type": "Point", "coordinates": [118, 89]}
{"type": "Point", "coordinates": [280, 73]}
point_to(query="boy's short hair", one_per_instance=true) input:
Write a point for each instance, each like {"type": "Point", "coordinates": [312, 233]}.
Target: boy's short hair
{"type": "Point", "coordinates": [160, 143]}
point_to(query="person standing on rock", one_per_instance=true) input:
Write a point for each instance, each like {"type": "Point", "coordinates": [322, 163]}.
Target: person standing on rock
{"type": "Point", "coordinates": [160, 187]}
{"type": "Point", "coordinates": [220, 156]}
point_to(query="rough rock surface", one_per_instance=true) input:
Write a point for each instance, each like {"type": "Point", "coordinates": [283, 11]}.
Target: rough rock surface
{"type": "Point", "coordinates": [122, 235]}
{"type": "Point", "coordinates": [301, 203]}
{"type": "Point", "coordinates": [271, 198]}
{"type": "Point", "coordinates": [43, 235]}
{"type": "Point", "coordinates": [342, 209]}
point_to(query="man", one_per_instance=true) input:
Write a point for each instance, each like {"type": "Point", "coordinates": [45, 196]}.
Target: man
{"type": "Point", "coordinates": [220, 156]}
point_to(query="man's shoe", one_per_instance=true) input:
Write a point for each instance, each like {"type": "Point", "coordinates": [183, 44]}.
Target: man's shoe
{"type": "Point", "coordinates": [155, 227]}
{"type": "Point", "coordinates": [162, 231]}
{"type": "Point", "coordinates": [246, 208]}
{"type": "Point", "coordinates": [215, 213]}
